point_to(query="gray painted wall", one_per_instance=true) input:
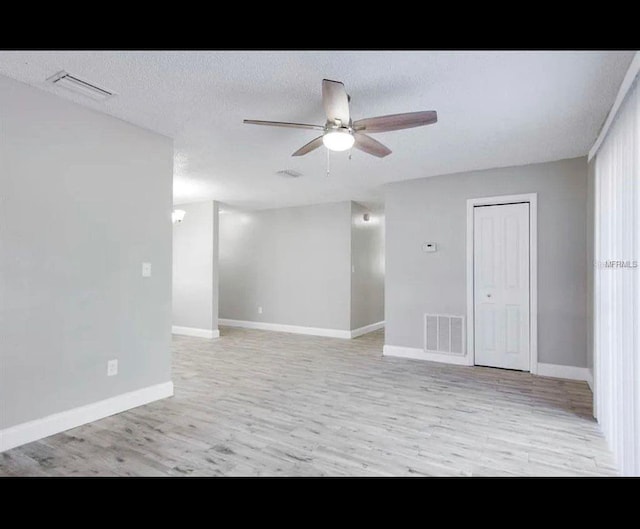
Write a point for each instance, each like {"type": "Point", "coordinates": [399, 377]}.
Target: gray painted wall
{"type": "Point", "coordinates": [195, 267]}
{"type": "Point", "coordinates": [434, 209]}
{"type": "Point", "coordinates": [367, 261]}
{"type": "Point", "coordinates": [85, 199]}
{"type": "Point", "coordinates": [293, 262]}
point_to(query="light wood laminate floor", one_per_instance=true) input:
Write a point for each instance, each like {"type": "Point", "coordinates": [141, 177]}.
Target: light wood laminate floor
{"type": "Point", "coordinates": [257, 403]}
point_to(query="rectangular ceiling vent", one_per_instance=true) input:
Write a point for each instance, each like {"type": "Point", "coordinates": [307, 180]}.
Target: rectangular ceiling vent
{"type": "Point", "coordinates": [444, 333]}
{"type": "Point", "coordinates": [80, 86]}
{"type": "Point", "coordinates": [290, 173]}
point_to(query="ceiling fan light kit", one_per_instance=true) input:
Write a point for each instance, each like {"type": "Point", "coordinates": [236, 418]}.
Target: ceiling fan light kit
{"type": "Point", "coordinates": [340, 133]}
{"type": "Point", "coordinates": [338, 140]}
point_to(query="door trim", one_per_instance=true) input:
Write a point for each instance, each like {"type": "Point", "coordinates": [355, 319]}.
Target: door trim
{"type": "Point", "coordinates": [532, 199]}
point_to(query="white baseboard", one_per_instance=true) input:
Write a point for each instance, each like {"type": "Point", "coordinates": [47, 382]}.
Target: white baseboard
{"type": "Point", "coordinates": [193, 331]}
{"type": "Point", "coordinates": [295, 329]}
{"type": "Point", "coordinates": [367, 329]}
{"type": "Point", "coordinates": [30, 431]}
{"type": "Point", "coordinates": [419, 354]}
{"type": "Point", "coordinates": [568, 372]}
{"type": "Point", "coordinates": [590, 379]}
{"type": "Point", "coordinates": [544, 370]}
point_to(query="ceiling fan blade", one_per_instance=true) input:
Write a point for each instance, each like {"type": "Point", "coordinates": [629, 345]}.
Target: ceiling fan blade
{"type": "Point", "coordinates": [283, 124]}
{"type": "Point", "coordinates": [312, 145]}
{"type": "Point", "coordinates": [335, 101]}
{"type": "Point", "coordinates": [370, 146]}
{"type": "Point", "coordinates": [396, 121]}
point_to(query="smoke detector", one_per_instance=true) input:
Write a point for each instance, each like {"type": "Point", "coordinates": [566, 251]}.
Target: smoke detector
{"type": "Point", "coordinates": [83, 87]}
{"type": "Point", "coordinates": [289, 173]}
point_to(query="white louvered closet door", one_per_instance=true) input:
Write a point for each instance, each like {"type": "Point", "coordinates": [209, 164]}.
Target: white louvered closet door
{"type": "Point", "coordinates": [617, 285]}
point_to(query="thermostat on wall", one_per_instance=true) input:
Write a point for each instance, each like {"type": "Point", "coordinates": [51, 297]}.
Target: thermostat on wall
{"type": "Point", "coordinates": [429, 247]}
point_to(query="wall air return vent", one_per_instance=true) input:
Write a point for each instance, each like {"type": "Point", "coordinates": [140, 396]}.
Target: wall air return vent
{"type": "Point", "coordinates": [444, 333]}
{"type": "Point", "coordinates": [289, 173]}
{"type": "Point", "coordinates": [80, 86]}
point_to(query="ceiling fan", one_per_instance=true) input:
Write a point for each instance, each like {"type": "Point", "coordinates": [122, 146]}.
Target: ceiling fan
{"type": "Point", "coordinates": [340, 133]}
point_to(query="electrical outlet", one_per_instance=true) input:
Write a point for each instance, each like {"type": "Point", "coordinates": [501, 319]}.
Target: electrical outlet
{"type": "Point", "coordinates": [112, 367]}
{"type": "Point", "coordinates": [146, 269]}
{"type": "Point", "coordinates": [259, 310]}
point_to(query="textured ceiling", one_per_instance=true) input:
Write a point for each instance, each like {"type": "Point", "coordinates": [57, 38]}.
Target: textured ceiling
{"type": "Point", "coordinates": [494, 108]}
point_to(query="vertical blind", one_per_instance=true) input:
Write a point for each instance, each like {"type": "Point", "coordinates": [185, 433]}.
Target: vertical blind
{"type": "Point", "coordinates": [617, 285]}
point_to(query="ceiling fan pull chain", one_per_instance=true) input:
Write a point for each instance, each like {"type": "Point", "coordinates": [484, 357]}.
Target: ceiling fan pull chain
{"type": "Point", "coordinates": [328, 161]}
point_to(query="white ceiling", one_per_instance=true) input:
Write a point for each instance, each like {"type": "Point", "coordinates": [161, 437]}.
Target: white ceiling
{"type": "Point", "coordinates": [495, 109]}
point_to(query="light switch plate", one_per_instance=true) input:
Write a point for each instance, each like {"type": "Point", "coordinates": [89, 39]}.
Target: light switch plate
{"type": "Point", "coordinates": [146, 269]}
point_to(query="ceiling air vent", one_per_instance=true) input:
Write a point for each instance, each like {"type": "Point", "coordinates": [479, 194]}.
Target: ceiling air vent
{"type": "Point", "coordinates": [80, 86]}
{"type": "Point", "coordinates": [290, 173]}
